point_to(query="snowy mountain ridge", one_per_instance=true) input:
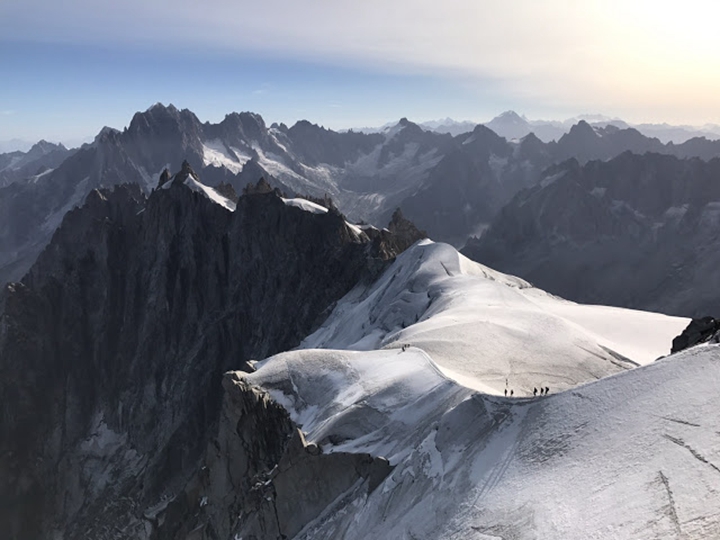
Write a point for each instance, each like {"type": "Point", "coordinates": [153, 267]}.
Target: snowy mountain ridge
{"type": "Point", "coordinates": [614, 456]}
{"type": "Point", "coordinates": [451, 187]}
{"type": "Point", "coordinates": [627, 457]}
{"type": "Point", "coordinates": [485, 328]}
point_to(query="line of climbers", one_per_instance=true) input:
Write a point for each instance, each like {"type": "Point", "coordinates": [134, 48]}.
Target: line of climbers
{"type": "Point", "coordinates": [543, 391]}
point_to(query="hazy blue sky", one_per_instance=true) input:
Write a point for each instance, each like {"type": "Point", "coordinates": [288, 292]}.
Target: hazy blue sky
{"type": "Point", "coordinates": [70, 67]}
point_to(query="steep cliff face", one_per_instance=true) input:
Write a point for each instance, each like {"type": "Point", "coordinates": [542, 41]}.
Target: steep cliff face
{"type": "Point", "coordinates": [113, 346]}
{"type": "Point", "coordinates": [260, 478]}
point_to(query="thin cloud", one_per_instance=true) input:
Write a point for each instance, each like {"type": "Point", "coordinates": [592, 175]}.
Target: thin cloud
{"type": "Point", "coordinates": [612, 55]}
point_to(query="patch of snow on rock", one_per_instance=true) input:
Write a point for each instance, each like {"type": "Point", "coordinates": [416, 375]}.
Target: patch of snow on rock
{"type": "Point", "coordinates": [307, 206]}
{"type": "Point", "coordinates": [216, 154]}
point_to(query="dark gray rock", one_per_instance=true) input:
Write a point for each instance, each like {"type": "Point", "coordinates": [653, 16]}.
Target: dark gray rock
{"type": "Point", "coordinates": [698, 331]}
{"type": "Point", "coordinates": [273, 482]}
{"type": "Point", "coordinates": [113, 346]}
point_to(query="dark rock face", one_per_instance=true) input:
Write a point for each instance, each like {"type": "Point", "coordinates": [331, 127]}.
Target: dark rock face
{"type": "Point", "coordinates": [113, 346]}
{"type": "Point", "coordinates": [164, 177]}
{"type": "Point", "coordinates": [470, 184]}
{"type": "Point", "coordinates": [259, 188]}
{"type": "Point", "coordinates": [315, 145]}
{"type": "Point", "coordinates": [260, 478]}
{"type": "Point", "coordinates": [698, 331]}
{"type": "Point", "coordinates": [401, 234]}
{"type": "Point", "coordinates": [636, 231]}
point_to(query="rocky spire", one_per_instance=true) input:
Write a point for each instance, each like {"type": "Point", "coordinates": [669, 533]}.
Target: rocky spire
{"type": "Point", "coordinates": [262, 186]}
{"type": "Point", "coordinates": [404, 231]}
{"type": "Point", "coordinates": [164, 177]}
{"type": "Point", "coordinates": [186, 171]}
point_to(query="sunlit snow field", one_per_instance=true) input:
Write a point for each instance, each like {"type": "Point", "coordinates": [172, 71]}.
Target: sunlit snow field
{"type": "Point", "coordinates": [623, 447]}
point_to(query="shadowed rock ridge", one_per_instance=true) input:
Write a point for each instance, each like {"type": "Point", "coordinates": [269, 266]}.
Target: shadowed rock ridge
{"type": "Point", "coordinates": [636, 231]}
{"type": "Point", "coordinates": [113, 347]}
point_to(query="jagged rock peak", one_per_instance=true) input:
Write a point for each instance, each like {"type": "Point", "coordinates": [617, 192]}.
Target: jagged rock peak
{"type": "Point", "coordinates": [44, 147]}
{"type": "Point", "coordinates": [157, 107]}
{"type": "Point", "coordinates": [228, 191]}
{"type": "Point", "coordinates": [262, 186]}
{"type": "Point", "coordinates": [246, 118]}
{"type": "Point", "coordinates": [106, 133]}
{"type": "Point", "coordinates": [531, 139]}
{"type": "Point", "coordinates": [404, 230]}
{"type": "Point", "coordinates": [482, 129]}
{"type": "Point", "coordinates": [185, 171]}
{"type": "Point", "coordinates": [582, 128]}
{"type": "Point", "coordinates": [698, 331]}
{"type": "Point", "coordinates": [164, 177]}
{"type": "Point", "coordinates": [161, 118]}
{"type": "Point", "coordinates": [305, 124]}
{"type": "Point", "coordinates": [400, 234]}
{"type": "Point", "coordinates": [407, 128]}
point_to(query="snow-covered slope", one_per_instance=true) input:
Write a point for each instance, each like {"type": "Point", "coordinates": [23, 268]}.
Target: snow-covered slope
{"type": "Point", "coordinates": [189, 178]}
{"type": "Point", "coordinates": [484, 328]}
{"type": "Point", "coordinates": [635, 455]}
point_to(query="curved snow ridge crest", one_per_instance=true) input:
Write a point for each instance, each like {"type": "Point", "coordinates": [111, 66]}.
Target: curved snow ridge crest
{"type": "Point", "coordinates": [367, 317]}
{"type": "Point", "coordinates": [489, 331]}
{"type": "Point", "coordinates": [359, 401]}
{"type": "Point", "coordinates": [453, 263]}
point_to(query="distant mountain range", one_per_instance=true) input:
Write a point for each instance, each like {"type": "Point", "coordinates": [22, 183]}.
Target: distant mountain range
{"type": "Point", "coordinates": [514, 126]}
{"type": "Point", "coordinates": [640, 231]}
{"type": "Point", "coordinates": [453, 187]}
{"type": "Point", "coordinates": [38, 159]}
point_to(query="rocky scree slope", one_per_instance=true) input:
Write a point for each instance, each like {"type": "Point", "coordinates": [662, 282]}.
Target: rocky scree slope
{"type": "Point", "coordinates": [113, 346]}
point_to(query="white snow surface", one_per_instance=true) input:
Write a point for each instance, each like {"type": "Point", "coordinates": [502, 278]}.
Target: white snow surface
{"type": "Point", "coordinates": [211, 193]}
{"type": "Point", "coordinates": [307, 206]}
{"type": "Point", "coordinates": [34, 179]}
{"type": "Point", "coordinates": [483, 327]}
{"type": "Point", "coordinates": [53, 221]}
{"type": "Point", "coordinates": [633, 455]}
{"type": "Point", "coordinates": [314, 208]}
{"type": "Point", "coordinates": [215, 153]}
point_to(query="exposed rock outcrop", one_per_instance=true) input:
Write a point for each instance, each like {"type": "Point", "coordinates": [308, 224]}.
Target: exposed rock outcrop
{"type": "Point", "coordinates": [164, 178]}
{"type": "Point", "coordinates": [113, 346]}
{"type": "Point", "coordinates": [698, 331]}
{"type": "Point", "coordinates": [261, 479]}
{"type": "Point", "coordinates": [404, 232]}
{"type": "Point", "coordinates": [260, 187]}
